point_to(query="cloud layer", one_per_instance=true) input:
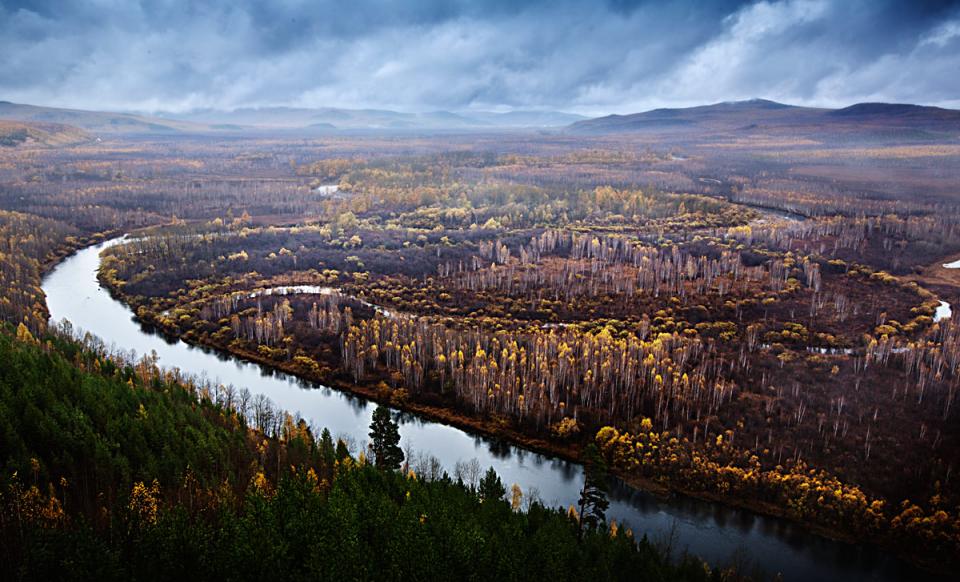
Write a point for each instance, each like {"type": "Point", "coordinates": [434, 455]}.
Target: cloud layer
{"type": "Point", "coordinates": [591, 57]}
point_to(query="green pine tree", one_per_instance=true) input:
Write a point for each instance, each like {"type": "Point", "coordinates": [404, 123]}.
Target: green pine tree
{"type": "Point", "coordinates": [342, 451]}
{"type": "Point", "coordinates": [491, 487]}
{"type": "Point", "coordinates": [385, 440]}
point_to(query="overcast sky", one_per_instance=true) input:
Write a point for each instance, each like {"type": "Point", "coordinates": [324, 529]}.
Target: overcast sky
{"type": "Point", "coordinates": [614, 56]}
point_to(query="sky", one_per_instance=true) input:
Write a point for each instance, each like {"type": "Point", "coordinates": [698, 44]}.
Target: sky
{"type": "Point", "coordinates": [589, 57]}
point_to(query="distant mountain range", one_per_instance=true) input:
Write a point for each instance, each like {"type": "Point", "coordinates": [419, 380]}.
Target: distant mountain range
{"type": "Point", "coordinates": [737, 117]}
{"type": "Point", "coordinates": [284, 119]}
{"type": "Point", "coordinates": [334, 118]}
{"type": "Point", "coordinates": [761, 114]}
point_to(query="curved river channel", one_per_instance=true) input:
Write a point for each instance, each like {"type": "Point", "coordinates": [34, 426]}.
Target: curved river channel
{"type": "Point", "coordinates": [715, 532]}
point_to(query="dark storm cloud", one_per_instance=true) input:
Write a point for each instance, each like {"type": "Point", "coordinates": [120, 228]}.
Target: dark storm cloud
{"type": "Point", "coordinates": [618, 55]}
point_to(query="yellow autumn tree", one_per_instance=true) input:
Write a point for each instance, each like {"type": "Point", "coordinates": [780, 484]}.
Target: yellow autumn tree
{"type": "Point", "coordinates": [145, 501]}
{"type": "Point", "coordinates": [24, 335]}
{"type": "Point", "coordinates": [516, 497]}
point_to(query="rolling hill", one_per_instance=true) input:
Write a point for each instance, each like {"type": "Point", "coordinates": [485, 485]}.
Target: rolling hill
{"type": "Point", "coordinates": [761, 114]}
{"type": "Point", "coordinates": [18, 133]}
{"type": "Point", "coordinates": [96, 121]}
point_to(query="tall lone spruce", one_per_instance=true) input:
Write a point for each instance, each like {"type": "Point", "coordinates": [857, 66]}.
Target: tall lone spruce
{"type": "Point", "coordinates": [491, 487]}
{"type": "Point", "coordinates": [385, 440]}
{"type": "Point", "coordinates": [593, 496]}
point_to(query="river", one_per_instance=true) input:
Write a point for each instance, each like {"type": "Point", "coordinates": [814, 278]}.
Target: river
{"type": "Point", "coordinates": [713, 531]}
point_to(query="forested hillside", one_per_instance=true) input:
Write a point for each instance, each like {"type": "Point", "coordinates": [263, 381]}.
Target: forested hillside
{"type": "Point", "coordinates": [114, 470]}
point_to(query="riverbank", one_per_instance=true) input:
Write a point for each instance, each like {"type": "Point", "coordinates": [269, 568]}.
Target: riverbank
{"type": "Point", "coordinates": [940, 278]}
{"type": "Point", "coordinates": [500, 430]}
{"type": "Point", "coordinates": [68, 248]}
{"type": "Point", "coordinates": [491, 428]}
